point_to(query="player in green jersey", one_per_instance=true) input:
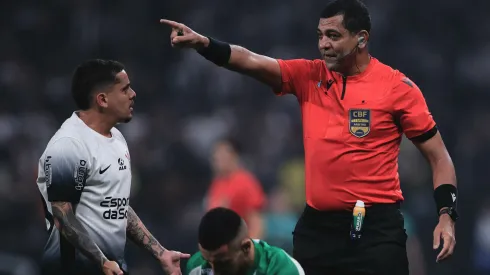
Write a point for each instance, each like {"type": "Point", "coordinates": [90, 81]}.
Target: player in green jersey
{"type": "Point", "coordinates": [225, 248]}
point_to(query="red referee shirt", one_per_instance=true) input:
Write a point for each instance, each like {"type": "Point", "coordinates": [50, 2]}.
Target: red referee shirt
{"type": "Point", "coordinates": [352, 129]}
{"type": "Point", "coordinates": [240, 192]}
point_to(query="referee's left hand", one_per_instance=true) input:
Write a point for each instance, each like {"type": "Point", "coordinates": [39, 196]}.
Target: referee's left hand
{"type": "Point", "coordinates": [170, 261]}
{"type": "Point", "coordinates": [445, 231]}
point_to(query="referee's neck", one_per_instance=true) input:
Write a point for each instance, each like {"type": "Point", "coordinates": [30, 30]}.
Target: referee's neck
{"type": "Point", "coordinates": [97, 122]}
{"type": "Point", "coordinates": [358, 66]}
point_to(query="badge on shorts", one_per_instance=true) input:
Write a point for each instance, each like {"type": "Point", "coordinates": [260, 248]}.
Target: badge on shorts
{"type": "Point", "coordinates": [359, 122]}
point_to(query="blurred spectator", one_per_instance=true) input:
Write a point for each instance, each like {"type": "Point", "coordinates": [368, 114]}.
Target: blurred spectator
{"type": "Point", "coordinates": [236, 188]}
{"type": "Point", "coordinates": [280, 220]}
{"type": "Point", "coordinates": [482, 239]}
{"type": "Point", "coordinates": [415, 253]}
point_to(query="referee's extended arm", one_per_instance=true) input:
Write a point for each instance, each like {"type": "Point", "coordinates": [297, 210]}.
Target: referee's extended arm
{"type": "Point", "coordinates": [233, 57]}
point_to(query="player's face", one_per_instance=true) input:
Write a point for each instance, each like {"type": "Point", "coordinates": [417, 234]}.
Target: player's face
{"type": "Point", "coordinates": [335, 43]}
{"type": "Point", "coordinates": [223, 157]}
{"type": "Point", "coordinates": [121, 98]}
{"type": "Point", "coordinates": [229, 260]}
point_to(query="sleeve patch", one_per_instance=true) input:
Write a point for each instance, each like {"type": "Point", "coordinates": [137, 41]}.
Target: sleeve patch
{"type": "Point", "coordinates": [407, 81]}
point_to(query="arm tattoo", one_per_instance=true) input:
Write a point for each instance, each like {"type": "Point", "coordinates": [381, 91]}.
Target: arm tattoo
{"type": "Point", "coordinates": [73, 231]}
{"type": "Point", "coordinates": [138, 233]}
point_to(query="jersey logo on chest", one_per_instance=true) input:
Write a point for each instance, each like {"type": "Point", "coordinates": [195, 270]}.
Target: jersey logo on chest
{"type": "Point", "coordinates": [359, 122]}
{"type": "Point", "coordinates": [122, 166]}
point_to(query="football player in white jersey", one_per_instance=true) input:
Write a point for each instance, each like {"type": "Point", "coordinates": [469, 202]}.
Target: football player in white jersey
{"type": "Point", "coordinates": [85, 180]}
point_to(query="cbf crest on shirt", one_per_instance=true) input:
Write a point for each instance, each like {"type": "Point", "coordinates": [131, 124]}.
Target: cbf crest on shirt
{"type": "Point", "coordinates": [359, 122]}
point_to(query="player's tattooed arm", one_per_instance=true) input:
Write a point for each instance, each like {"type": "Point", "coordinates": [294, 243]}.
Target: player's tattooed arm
{"type": "Point", "coordinates": [71, 228]}
{"type": "Point", "coordinates": [137, 232]}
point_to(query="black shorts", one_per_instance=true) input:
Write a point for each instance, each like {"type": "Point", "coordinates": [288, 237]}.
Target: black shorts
{"type": "Point", "coordinates": [322, 243]}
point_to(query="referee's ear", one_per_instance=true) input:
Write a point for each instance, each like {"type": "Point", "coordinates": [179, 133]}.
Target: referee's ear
{"type": "Point", "coordinates": [363, 39]}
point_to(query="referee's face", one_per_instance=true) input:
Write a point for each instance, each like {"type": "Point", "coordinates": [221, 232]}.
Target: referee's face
{"type": "Point", "coordinates": [336, 43]}
{"type": "Point", "coordinates": [121, 99]}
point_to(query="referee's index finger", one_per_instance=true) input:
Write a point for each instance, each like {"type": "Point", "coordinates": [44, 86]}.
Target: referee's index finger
{"type": "Point", "coordinates": [171, 23]}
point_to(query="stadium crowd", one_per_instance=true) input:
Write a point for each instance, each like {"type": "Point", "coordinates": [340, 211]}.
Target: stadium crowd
{"type": "Point", "coordinates": [185, 104]}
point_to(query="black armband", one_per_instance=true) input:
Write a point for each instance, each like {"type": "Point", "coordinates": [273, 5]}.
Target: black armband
{"type": "Point", "coordinates": [445, 196]}
{"type": "Point", "coordinates": [217, 52]}
{"type": "Point", "coordinates": [425, 136]}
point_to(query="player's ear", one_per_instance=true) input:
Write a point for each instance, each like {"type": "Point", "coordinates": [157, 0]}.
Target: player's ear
{"type": "Point", "coordinates": [246, 245]}
{"type": "Point", "coordinates": [363, 37]}
{"type": "Point", "coordinates": [102, 100]}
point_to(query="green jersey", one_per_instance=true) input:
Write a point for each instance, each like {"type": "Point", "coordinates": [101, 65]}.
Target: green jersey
{"type": "Point", "coordinates": [269, 260]}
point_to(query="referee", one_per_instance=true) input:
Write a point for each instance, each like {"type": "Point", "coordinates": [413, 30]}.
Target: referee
{"type": "Point", "coordinates": [355, 110]}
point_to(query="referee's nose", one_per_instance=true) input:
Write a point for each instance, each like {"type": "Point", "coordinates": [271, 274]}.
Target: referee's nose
{"type": "Point", "coordinates": [133, 94]}
{"type": "Point", "coordinates": [324, 43]}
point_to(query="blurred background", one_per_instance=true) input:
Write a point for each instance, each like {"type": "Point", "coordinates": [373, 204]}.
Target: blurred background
{"type": "Point", "coordinates": [185, 103]}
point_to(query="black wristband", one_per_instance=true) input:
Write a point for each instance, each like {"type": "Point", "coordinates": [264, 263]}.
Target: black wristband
{"type": "Point", "coordinates": [217, 52]}
{"type": "Point", "coordinates": [445, 196]}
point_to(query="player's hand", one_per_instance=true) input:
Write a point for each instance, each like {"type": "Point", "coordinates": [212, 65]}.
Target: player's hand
{"type": "Point", "coordinates": [184, 37]}
{"type": "Point", "coordinates": [111, 268]}
{"type": "Point", "coordinates": [170, 261]}
{"type": "Point", "coordinates": [445, 231]}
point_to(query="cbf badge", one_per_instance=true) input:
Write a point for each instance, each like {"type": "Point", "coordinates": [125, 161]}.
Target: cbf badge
{"type": "Point", "coordinates": [359, 122]}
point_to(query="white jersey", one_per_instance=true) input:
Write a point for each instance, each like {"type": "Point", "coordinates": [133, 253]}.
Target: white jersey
{"type": "Point", "coordinates": [92, 172]}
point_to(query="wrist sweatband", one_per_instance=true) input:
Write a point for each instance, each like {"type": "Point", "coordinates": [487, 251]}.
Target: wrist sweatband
{"type": "Point", "coordinates": [217, 52]}
{"type": "Point", "coordinates": [445, 196]}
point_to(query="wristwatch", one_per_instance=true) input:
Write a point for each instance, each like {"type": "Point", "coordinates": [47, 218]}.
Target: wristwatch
{"type": "Point", "coordinates": [451, 212]}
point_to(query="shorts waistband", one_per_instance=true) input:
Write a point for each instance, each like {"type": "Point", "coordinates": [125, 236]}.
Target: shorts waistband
{"type": "Point", "coordinates": [379, 210]}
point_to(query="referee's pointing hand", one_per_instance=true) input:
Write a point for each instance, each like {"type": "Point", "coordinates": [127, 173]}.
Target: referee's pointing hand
{"type": "Point", "coordinates": [445, 231]}
{"type": "Point", "coordinates": [184, 37]}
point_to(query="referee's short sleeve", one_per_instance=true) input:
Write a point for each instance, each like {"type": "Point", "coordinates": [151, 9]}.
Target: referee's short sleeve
{"type": "Point", "coordinates": [412, 111]}
{"type": "Point", "coordinates": [65, 164]}
{"type": "Point", "coordinates": [295, 75]}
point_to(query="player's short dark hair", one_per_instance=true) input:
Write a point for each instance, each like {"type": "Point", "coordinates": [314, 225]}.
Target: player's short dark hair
{"type": "Point", "coordinates": [233, 143]}
{"type": "Point", "coordinates": [219, 226]}
{"type": "Point", "coordinates": [356, 14]}
{"type": "Point", "coordinates": [92, 75]}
